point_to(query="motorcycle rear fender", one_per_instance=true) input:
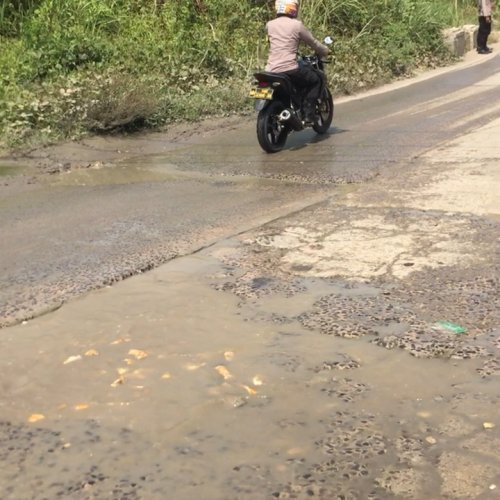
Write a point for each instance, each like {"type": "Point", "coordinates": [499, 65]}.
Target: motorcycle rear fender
{"type": "Point", "coordinates": [260, 104]}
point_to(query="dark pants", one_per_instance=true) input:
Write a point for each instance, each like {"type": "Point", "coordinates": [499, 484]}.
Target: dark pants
{"type": "Point", "coordinates": [483, 33]}
{"type": "Point", "coordinates": [306, 78]}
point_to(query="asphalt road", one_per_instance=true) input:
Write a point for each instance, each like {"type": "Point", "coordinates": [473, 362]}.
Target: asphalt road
{"type": "Point", "coordinates": [73, 232]}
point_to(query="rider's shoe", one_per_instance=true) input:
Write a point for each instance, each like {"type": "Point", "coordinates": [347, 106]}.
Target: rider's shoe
{"type": "Point", "coordinates": [309, 110]}
{"type": "Point", "coordinates": [309, 115]}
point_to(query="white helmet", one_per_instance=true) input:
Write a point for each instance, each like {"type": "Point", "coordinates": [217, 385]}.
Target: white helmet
{"type": "Point", "coordinates": [287, 7]}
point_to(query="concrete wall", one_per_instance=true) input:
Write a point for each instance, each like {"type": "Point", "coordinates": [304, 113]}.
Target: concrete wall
{"type": "Point", "coordinates": [460, 40]}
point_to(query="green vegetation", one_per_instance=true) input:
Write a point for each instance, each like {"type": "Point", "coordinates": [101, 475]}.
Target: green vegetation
{"type": "Point", "coordinates": [70, 67]}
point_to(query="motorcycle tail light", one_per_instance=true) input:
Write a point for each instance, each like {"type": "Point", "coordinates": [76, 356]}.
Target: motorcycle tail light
{"type": "Point", "coordinates": [263, 84]}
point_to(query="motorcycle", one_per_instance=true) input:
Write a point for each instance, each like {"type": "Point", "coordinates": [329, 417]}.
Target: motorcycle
{"type": "Point", "coordinates": [280, 105]}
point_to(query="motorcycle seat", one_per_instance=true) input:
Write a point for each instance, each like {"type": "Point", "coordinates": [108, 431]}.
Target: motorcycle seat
{"type": "Point", "coordinates": [267, 76]}
{"type": "Point", "coordinates": [280, 78]}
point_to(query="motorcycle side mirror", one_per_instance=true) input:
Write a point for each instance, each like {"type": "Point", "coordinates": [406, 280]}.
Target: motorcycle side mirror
{"type": "Point", "coordinates": [328, 40]}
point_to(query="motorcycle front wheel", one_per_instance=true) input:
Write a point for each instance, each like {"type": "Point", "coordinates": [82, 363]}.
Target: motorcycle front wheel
{"type": "Point", "coordinates": [271, 133]}
{"type": "Point", "coordinates": [324, 113]}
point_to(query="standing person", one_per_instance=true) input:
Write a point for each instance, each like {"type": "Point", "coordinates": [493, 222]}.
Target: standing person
{"type": "Point", "coordinates": [285, 34]}
{"type": "Point", "coordinates": [485, 10]}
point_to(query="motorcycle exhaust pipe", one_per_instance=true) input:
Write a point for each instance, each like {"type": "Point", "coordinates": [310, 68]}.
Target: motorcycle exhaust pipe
{"type": "Point", "coordinates": [289, 116]}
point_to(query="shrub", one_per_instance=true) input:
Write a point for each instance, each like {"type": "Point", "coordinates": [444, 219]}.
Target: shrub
{"type": "Point", "coordinates": [67, 107]}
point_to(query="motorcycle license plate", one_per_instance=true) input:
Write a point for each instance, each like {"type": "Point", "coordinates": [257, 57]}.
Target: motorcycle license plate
{"type": "Point", "coordinates": [261, 93]}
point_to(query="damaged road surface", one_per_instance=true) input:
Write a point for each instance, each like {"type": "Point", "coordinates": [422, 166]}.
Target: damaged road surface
{"type": "Point", "coordinates": [325, 323]}
{"type": "Point", "coordinates": [79, 229]}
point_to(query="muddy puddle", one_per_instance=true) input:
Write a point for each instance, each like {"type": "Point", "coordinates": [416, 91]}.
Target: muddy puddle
{"type": "Point", "coordinates": [154, 168]}
{"type": "Point", "coordinates": [123, 172]}
{"type": "Point", "coordinates": [195, 163]}
{"type": "Point", "coordinates": [198, 380]}
{"type": "Point", "coordinates": [7, 171]}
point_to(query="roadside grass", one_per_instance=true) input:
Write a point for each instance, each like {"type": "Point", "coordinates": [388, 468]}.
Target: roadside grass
{"type": "Point", "coordinates": [74, 67]}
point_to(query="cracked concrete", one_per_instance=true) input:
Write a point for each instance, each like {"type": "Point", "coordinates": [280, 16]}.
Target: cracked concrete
{"type": "Point", "coordinates": [425, 219]}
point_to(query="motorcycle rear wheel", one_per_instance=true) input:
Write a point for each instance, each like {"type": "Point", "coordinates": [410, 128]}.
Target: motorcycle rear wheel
{"type": "Point", "coordinates": [324, 113]}
{"type": "Point", "coordinates": [271, 133]}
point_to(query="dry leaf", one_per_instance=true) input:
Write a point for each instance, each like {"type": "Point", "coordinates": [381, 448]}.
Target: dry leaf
{"type": "Point", "coordinates": [72, 359]}
{"type": "Point", "coordinates": [118, 382]}
{"type": "Point", "coordinates": [192, 366]}
{"type": "Point", "coordinates": [81, 407]}
{"type": "Point", "coordinates": [424, 414]}
{"type": "Point", "coordinates": [66, 445]}
{"type": "Point", "coordinates": [488, 425]}
{"type": "Point", "coordinates": [120, 341]}
{"type": "Point", "coordinates": [91, 352]}
{"type": "Point", "coordinates": [229, 355]}
{"type": "Point", "coordinates": [257, 380]}
{"type": "Point", "coordinates": [36, 417]}
{"type": "Point", "coordinates": [129, 361]}
{"type": "Point", "coordinates": [431, 440]}
{"type": "Point", "coordinates": [166, 376]}
{"type": "Point", "coordinates": [122, 371]}
{"type": "Point", "coordinates": [223, 371]}
{"type": "Point", "coordinates": [138, 354]}
{"type": "Point", "coordinates": [250, 390]}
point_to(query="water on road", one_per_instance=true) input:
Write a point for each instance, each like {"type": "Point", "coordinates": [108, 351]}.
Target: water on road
{"type": "Point", "coordinates": [348, 350]}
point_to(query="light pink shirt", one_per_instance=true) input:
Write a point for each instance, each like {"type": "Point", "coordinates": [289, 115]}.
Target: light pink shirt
{"type": "Point", "coordinates": [285, 35]}
{"type": "Point", "coordinates": [485, 7]}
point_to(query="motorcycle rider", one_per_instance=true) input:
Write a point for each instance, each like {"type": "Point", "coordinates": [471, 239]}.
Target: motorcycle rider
{"type": "Point", "coordinates": [285, 33]}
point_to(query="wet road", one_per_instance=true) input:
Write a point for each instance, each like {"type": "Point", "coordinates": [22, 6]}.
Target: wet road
{"type": "Point", "coordinates": [73, 232]}
{"type": "Point", "coordinates": [311, 356]}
